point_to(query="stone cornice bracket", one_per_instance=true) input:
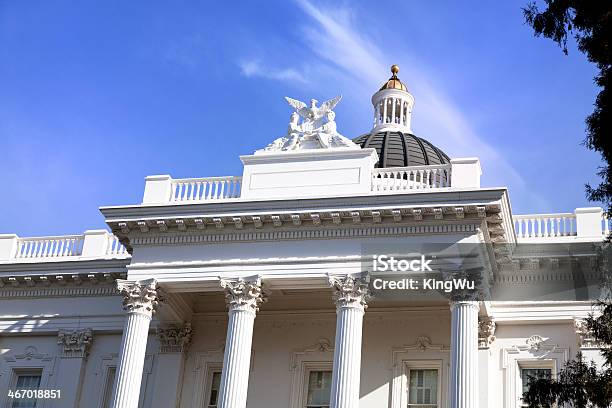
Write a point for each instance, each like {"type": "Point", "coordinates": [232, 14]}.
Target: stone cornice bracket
{"type": "Point", "coordinates": [243, 295]}
{"type": "Point", "coordinates": [486, 332]}
{"type": "Point", "coordinates": [140, 296]}
{"type": "Point", "coordinates": [174, 339]}
{"type": "Point", "coordinates": [75, 343]}
{"type": "Point", "coordinates": [587, 341]}
{"type": "Point", "coordinates": [350, 291]}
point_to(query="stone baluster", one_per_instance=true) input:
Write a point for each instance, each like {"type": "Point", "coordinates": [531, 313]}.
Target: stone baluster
{"type": "Point", "coordinates": [243, 299]}
{"type": "Point", "coordinates": [140, 299]}
{"type": "Point", "coordinates": [350, 295]}
{"type": "Point", "coordinates": [386, 102]}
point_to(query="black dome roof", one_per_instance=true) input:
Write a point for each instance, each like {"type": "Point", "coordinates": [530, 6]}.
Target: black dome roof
{"type": "Point", "coordinates": [398, 149]}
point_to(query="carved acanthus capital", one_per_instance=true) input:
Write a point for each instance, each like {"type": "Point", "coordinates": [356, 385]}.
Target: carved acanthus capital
{"type": "Point", "coordinates": [174, 339]}
{"type": "Point", "coordinates": [587, 340]}
{"type": "Point", "coordinates": [486, 332]}
{"type": "Point", "coordinates": [243, 295]}
{"type": "Point", "coordinates": [350, 291]}
{"type": "Point", "coordinates": [75, 343]}
{"type": "Point", "coordinates": [140, 296]}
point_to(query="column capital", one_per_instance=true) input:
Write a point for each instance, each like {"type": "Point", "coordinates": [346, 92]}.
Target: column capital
{"type": "Point", "coordinates": [141, 297]}
{"type": "Point", "coordinates": [464, 302]}
{"type": "Point", "coordinates": [350, 291]}
{"type": "Point", "coordinates": [585, 335]}
{"type": "Point", "coordinates": [486, 331]}
{"type": "Point", "coordinates": [243, 295]}
{"type": "Point", "coordinates": [174, 339]}
{"type": "Point", "coordinates": [75, 343]}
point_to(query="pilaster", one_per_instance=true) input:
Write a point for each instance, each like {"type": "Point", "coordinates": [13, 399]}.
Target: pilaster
{"type": "Point", "coordinates": [74, 349]}
{"type": "Point", "coordinates": [174, 341]}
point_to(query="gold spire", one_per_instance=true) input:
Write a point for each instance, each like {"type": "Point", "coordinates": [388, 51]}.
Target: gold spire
{"type": "Point", "coordinates": [394, 82]}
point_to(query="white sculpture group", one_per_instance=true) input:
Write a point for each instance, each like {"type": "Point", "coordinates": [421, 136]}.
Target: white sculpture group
{"type": "Point", "coordinates": [316, 130]}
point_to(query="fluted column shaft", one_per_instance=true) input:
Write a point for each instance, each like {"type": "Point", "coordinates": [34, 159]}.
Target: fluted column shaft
{"type": "Point", "coordinates": [351, 295]}
{"type": "Point", "coordinates": [139, 300]}
{"type": "Point", "coordinates": [464, 354]}
{"type": "Point", "coordinates": [243, 299]}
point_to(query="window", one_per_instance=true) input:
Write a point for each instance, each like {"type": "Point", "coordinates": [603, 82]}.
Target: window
{"type": "Point", "coordinates": [109, 383]}
{"type": "Point", "coordinates": [423, 388]}
{"type": "Point", "coordinates": [527, 374]}
{"type": "Point", "coordinates": [27, 381]}
{"type": "Point", "coordinates": [319, 389]}
{"type": "Point", "coordinates": [215, 383]}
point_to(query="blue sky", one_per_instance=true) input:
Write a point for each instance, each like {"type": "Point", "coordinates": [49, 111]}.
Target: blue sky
{"type": "Point", "coordinates": [94, 96]}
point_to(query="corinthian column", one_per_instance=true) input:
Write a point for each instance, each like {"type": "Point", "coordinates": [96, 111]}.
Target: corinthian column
{"type": "Point", "coordinates": [464, 354]}
{"type": "Point", "coordinates": [243, 299]}
{"type": "Point", "coordinates": [140, 299]}
{"type": "Point", "coordinates": [350, 295]}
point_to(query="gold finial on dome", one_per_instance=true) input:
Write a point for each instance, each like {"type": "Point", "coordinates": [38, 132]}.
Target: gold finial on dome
{"type": "Point", "coordinates": [394, 82]}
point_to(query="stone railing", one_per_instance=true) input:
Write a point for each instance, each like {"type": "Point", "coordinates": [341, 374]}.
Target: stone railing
{"type": "Point", "coordinates": [411, 178]}
{"type": "Point", "coordinates": [545, 225]}
{"type": "Point", "coordinates": [49, 247]}
{"type": "Point", "coordinates": [583, 223]}
{"type": "Point", "coordinates": [204, 189]}
{"type": "Point", "coordinates": [91, 244]}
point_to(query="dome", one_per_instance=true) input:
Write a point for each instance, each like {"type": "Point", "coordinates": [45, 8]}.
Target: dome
{"type": "Point", "coordinates": [399, 149]}
{"type": "Point", "coordinates": [394, 82]}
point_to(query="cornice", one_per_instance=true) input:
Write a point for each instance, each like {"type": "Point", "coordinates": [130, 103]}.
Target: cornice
{"type": "Point", "coordinates": [246, 207]}
{"type": "Point", "coordinates": [60, 285]}
{"type": "Point", "coordinates": [65, 267]}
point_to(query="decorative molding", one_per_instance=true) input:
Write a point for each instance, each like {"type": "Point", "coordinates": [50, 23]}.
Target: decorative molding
{"type": "Point", "coordinates": [486, 332]}
{"type": "Point", "coordinates": [58, 291]}
{"type": "Point", "coordinates": [75, 343]}
{"type": "Point", "coordinates": [423, 343]}
{"type": "Point", "coordinates": [587, 341]}
{"type": "Point", "coordinates": [174, 339]}
{"type": "Point", "coordinates": [350, 291]}
{"type": "Point", "coordinates": [535, 342]}
{"type": "Point", "coordinates": [199, 236]}
{"type": "Point", "coordinates": [243, 294]}
{"type": "Point", "coordinates": [139, 296]}
{"type": "Point", "coordinates": [322, 345]}
{"type": "Point", "coordinates": [29, 353]}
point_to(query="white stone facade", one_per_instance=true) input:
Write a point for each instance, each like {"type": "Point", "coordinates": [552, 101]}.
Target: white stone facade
{"type": "Point", "coordinates": [242, 290]}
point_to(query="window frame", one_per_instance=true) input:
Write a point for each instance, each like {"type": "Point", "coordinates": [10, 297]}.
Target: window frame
{"type": "Point", "coordinates": [211, 369]}
{"type": "Point", "coordinates": [529, 354]}
{"type": "Point", "coordinates": [316, 357]}
{"type": "Point", "coordinates": [29, 361]}
{"type": "Point", "coordinates": [423, 365]}
{"type": "Point", "coordinates": [548, 364]}
{"type": "Point", "coordinates": [309, 367]}
{"type": "Point", "coordinates": [26, 371]}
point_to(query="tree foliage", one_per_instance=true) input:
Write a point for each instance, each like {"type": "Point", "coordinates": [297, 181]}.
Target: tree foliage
{"type": "Point", "coordinates": [580, 383]}
{"type": "Point", "coordinates": [590, 23]}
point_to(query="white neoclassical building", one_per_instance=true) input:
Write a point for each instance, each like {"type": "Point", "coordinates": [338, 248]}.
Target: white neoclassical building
{"type": "Point", "coordinates": [255, 291]}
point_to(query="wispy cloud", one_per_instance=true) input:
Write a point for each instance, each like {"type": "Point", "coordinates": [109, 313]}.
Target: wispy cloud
{"type": "Point", "coordinates": [254, 68]}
